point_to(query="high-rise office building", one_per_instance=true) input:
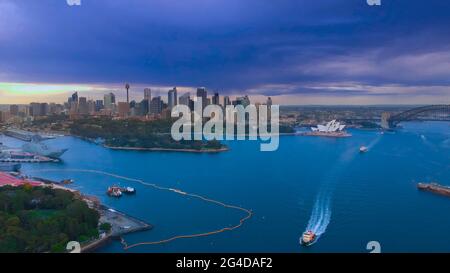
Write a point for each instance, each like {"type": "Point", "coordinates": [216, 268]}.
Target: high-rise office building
{"type": "Point", "coordinates": [14, 109]}
{"type": "Point", "coordinates": [91, 107]}
{"type": "Point", "coordinates": [203, 94]}
{"type": "Point", "coordinates": [73, 102]}
{"type": "Point", "coordinates": [184, 99]}
{"type": "Point", "coordinates": [75, 97]}
{"type": "Point", "coordinates": [216, 99]}
{"type": "Point", "coordinates": [82, 106]}
{"type": "Point", "coordinates": [38, 109]}
{"type": "Point", "coordinates": [147, 94]}
{"type": "Point", "coordinates": [244, 101]}
{"type": "Point", "coordinates": [98, 105]}
{"type": "Point", "coordinates": [123, 109]}
{"type": "Point", "coordinates": [109, 100]}
{"type": "Point", "coordinates": [226, 101]}
{"type": "Point", "coordinates": [156, 106]}
{"type": "Point", "coordinates": [172, 98]}
{"type": "Point", "coordinates": [35, 109]}
{"type": "Point", "coordinates": [145, 107]}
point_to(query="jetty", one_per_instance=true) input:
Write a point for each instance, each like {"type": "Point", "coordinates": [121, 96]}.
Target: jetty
{"type": "Point", "coordinates": [121, 224]}
{"type": "Point", "coordinates": [434, 188]}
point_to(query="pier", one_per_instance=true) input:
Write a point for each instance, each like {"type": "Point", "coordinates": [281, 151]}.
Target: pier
{"type": "Point", "coordinates": [121, 224]}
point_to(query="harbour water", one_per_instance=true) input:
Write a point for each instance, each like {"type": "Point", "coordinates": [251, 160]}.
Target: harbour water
{"type": "Point", "coordinates": [323, 183]}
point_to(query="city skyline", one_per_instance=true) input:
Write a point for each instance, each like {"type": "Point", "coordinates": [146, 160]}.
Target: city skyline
{"type": "Point", "coordinates": [297, 52]}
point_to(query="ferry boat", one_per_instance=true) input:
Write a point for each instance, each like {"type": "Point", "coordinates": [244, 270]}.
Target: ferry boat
{"type": "Point", "coordinates": [363, 149]}
{"type": "Point", "coordinates": [114, 192]}
{"type": "Point", "coordinates": [308, 238]}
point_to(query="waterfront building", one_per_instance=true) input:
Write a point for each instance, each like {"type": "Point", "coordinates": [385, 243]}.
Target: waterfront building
{"type": "Point", "coordinates": [330, 127]}
{"type": "Point", "coordinates": [172, 98]}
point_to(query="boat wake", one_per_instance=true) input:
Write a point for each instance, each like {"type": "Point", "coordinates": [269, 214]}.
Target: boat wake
{"type": "Point", "coordinates": [320, 217]}
{"type": "Point", "coordinates": [321, 213]}
{"type": "Point", "coordinates": [374, 142]}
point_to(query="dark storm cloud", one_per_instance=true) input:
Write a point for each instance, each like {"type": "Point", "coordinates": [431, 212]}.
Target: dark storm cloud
{"type": "Point", "coordinates": [275, 46]}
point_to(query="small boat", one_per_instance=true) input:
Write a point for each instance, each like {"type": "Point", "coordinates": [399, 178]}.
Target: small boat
{"type": "Point", "coordinates": [67, 181]}
{"type": "Point", "coordinates": [363, 149]}
{"type": "Point", "coordinates": [308, 238]}
{"type": "Point", "coordinates": [129, 190]}
{"type": "Point", "coordinates": [114, 192]}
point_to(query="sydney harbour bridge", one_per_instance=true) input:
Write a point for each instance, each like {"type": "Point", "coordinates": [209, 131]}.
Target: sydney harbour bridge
{"type": "Point", "coordinates": [429, 112]}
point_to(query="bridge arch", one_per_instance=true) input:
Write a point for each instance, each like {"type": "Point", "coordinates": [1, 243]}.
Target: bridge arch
{"type": "Point", "coordinates": [391, 121]}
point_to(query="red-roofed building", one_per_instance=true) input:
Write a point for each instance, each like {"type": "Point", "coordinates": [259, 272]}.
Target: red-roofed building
{"type": "Point", "coordinates": [7, 179]}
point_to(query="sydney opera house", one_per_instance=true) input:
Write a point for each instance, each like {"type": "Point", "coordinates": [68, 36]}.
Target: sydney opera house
{"type": "Point", "coordinates": [331, 129]}
{"type": "Point", "coordinates": [332, 126]}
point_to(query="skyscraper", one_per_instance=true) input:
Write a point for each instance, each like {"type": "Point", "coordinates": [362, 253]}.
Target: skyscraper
{"type": "Point", "coordinates": [124, 109]}
{"type": "Point", "coordinates": [172, 98]}
{"type": "Point", "coordinates": [216, 99]}
{"type": "Point", "coordinates": [91, 106]}
{"type": "Point", "coordinates": [226, 101]}
{"type": "Point", "coordinates": [145, 107]}
{"type": "Point", "coordinates": [75, 97]}
{"type": "Point", "coordinates": [156, 106]}
{"type": "Point", "coordinates": [98, 105]}
{"type": "Point", "coordinates": [203, 94]}
{"type": "Point", "coordinates": [73, 102]}
{"type": "Point", "coordinates": [109, 100]}
{"type": "Point", "coordinates": [14, 109]}
{"type": "Point", "coordinates": [244, 101]}
{"type": "Point", "coordinates": [184, 99]}
{"type": "Point", "coordinates": [82, 106]}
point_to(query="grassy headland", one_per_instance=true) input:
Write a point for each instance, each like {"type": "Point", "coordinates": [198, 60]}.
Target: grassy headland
{"type": "Point", "coordinates": [42, 219]}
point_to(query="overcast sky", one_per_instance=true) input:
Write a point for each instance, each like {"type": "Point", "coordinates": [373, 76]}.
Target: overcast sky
{"type": "Point", "coordinates": [298, 51]}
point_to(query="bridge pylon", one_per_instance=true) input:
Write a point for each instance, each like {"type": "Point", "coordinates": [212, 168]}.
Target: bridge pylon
{"type": "Point", "coordinates": [385, 120]}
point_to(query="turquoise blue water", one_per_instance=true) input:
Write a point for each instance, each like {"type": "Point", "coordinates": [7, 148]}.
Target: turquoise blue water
{"type": "Point", "coordinates": [352, 198]}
